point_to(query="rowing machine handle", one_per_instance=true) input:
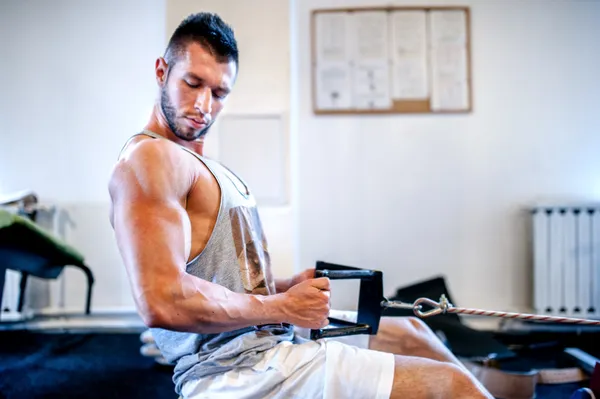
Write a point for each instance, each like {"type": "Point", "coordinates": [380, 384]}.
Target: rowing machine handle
{"type": "Point", "coordinates": [337, 327]}
{"type": "Point", "coordinates": [344, 274]}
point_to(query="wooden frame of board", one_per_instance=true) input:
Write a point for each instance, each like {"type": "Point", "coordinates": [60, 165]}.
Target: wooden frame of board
{"type": "Point", "coordinates": [398, 106]}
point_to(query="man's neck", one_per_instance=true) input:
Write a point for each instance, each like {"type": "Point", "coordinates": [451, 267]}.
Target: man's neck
{"type": "Point", "coordinates": [157, 124]}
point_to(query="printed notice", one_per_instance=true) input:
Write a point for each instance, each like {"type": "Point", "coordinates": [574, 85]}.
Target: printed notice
{"type": "Point", "coordinates": [332, 30]}
{"type": "Point", "coordinates": [333, 82]}
{"type": "Point", "coordinates": [449, 78]}
{"type": "Point", "coordinates": [449, 63]}
{"type": "Point", "coordinates": [448, 27]}
{"type": "Point", "coordinates": [370, 36]}
{"type": "Point", "coordinates": [334, 86]}
{"type": "Point", "coordinates": [372, 86]}
{"type": "Point", "coordinates": [408, 47]}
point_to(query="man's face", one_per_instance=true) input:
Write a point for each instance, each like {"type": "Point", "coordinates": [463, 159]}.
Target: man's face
{"type": "Point", "coordinates": [195, 91]}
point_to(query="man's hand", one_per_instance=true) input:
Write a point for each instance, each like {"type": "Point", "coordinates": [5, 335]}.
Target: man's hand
{"type": "Point", "coordinates": [307, 303]}
{"type": "Point", "coordinates": [300, 277]}
{"type": "Point", "coordinates": [285, 284]}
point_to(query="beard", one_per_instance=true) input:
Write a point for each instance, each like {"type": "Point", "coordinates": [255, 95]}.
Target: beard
{"type": "Point", "coordinates": [170, 113]}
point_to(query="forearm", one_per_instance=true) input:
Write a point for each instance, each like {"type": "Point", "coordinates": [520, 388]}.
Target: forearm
{"type": "Point", "coordinates": [196, 305]}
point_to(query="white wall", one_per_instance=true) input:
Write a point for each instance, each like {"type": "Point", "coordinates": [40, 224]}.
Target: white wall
{"type": "Point", "coordinates": [262, 88]}
{"type": "Point", "coordinates": [420, 195]}
{"type": "Point", "coordinates": [77, 80]}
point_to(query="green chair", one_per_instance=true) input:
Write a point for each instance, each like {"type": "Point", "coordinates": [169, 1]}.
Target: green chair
{"type": "Point", "coordinates": [33, 251]}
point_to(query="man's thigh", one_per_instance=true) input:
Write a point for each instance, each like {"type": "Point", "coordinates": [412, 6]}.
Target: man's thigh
{"type": "Point", "coordinates": [315, 369]}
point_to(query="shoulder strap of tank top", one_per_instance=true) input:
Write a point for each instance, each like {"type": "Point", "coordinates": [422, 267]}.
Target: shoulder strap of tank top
{"type": "Point", "coordinates": [158, 136]}
{"type": "Point", "coordinates": [150, 133]}
{"type": "Point", "coordinates": [127, 143]}
{"type": "Point", "coordinates": [246, 190]}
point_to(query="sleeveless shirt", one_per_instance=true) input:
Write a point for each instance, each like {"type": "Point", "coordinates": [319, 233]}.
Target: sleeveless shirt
{"type": "Point", "coordinates": [236, 256]}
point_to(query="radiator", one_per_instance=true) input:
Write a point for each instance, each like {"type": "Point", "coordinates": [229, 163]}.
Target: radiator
{"type": "Point", "coordinates": [566, 260]}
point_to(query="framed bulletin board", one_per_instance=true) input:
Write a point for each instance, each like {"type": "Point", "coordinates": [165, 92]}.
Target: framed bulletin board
{"type": "Point", "coordinates": [386, 60]}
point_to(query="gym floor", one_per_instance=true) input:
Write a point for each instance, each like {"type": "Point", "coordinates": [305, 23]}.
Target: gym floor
{"type": "Point", "coordinates": [73, 356]}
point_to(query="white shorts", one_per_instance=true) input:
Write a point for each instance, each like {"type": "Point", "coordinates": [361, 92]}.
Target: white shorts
{"type": "Point", "coordinates": [332, 368]}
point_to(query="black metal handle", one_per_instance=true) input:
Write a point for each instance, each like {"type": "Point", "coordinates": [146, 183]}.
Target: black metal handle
{"type": "Point", "coordinates": [338, 328]}
{"type": "Point", "coordinates": [345, 274]}
{"type": "Point", "coordinates": [369, 301]}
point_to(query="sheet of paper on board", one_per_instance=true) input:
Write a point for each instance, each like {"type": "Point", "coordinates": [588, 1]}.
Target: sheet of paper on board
{"type": "Point", "coordinates": [408, 49]}
{"type": "Point", "coordinates": [449, 62]}
{"type": "Point", "coordinates": [371, 67]}
{"type": "Point", "coordinates": [333, 86]}
{"type": "Point", "coordinates": [371, 86]}
{"type": "Point", "coordinates": [332, 37]}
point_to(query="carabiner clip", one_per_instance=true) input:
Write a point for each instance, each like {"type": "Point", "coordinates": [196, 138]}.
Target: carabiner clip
{"type": "Point", "coordinates": [433, 312]}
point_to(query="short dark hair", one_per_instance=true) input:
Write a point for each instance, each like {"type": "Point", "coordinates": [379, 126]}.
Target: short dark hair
{"type": "Point", "coordinates": [208, 30]}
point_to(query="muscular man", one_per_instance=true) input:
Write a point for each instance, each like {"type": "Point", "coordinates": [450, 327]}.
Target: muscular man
{"type": "Point", "coordinates": [190, 236]}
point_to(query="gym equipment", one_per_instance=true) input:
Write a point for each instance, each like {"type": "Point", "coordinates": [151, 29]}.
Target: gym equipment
{"type": "Point", "coordinates": [33, 251]}
{"type": "Point", "coordinates": [504, 371]}
{"type": "Point", "coordinates": [593, 391]}
{"type": "Point", "coordinates": [371, 304]}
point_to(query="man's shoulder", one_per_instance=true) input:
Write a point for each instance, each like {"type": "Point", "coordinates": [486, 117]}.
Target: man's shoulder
{"type": "Point", "coordinates": [145, 160]}
{"type": "Point", "coordinates": [148, 156]}
{"type": "Point", "coordinates": [148, 149]}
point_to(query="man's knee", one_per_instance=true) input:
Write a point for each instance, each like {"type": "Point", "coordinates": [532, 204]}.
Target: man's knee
{"type": "Point", "coordinates": [416, 333]}
{"type": "Point", "coordinates": [457, 377]}
{"type": "Point", "coordinates": [462, 384]}
{"type": "Point", "coordinates": [430, 378]}
{"type": "Point", "coordinates": [409, 325]}
{"type": "Point", "coordinates": [409, 332]}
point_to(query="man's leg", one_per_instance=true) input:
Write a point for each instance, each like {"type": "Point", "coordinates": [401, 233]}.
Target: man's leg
{"type": "Point", "coordinates": [420, 378]}
{"type": "Point", "coordinates": [424, 366]}
{"type": "Point", "coordinates": [408, 336]}
{"type": "Point", "coordinates": [421, 355]}
{"type": "Point", "coordinates": [334, 370]}
{"type": "Point", "coordinates": [411, 337]}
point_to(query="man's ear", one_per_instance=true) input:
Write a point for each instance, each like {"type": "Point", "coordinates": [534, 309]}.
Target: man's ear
{"type": "Point", "coordinates": [161, 69]}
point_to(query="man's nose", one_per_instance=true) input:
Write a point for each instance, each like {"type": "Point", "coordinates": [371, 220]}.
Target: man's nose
{"type": "Point", "coordinates": [204, 101]}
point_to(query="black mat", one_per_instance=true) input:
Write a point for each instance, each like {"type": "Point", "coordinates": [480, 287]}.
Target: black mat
{"type": "Point", "coordinates": [38, 365]}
